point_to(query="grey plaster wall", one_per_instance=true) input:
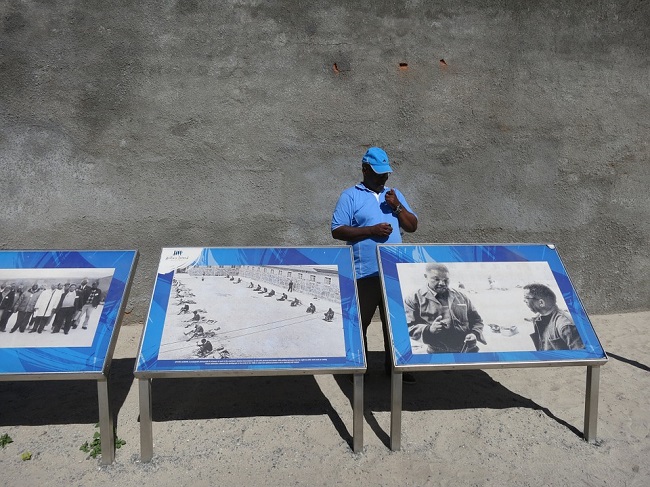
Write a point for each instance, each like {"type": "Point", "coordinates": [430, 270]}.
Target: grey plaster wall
{"type": "Point", "coordinates": [194, 123]}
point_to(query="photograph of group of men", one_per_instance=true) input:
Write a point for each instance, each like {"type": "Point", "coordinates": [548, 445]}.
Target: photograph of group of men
{"type": "Point", "coordinates": [481, 307]}
{"type": "Point", "coordinates": [49, 301]}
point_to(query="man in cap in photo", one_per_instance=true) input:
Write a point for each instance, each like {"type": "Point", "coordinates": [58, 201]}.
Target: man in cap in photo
{"type": "Point", "coordinates": [368, 214]}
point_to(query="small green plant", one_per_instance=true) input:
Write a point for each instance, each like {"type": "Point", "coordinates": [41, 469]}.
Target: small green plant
{"type": "Point", "coordinates": [94, 448]}
{"type": "Point", "coordinates": [26, 455]}
{"type": "Point", "coordinates": [5, 440]}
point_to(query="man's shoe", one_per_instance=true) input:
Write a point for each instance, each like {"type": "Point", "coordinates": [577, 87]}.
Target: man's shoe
{"type": "Point", "coordinates": [408, 378]}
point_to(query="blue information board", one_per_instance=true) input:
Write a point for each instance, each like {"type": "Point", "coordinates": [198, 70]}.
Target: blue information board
{"type": "Point", "coordinates": [59, 310]}
{"type": "Point", "coordinates": [484, 305]}
{"type": "Point", "coordinates": [251, 310]}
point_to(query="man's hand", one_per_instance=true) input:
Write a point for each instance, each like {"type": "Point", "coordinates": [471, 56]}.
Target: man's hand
{"type": "Point", "coordinates": [438, 325]}
{"type": "Point", "coordinates": [470, 337]}
{"type": "Point", "coordinates": [391, 198]}
{"type": "Point", "coordinates": [382, 229]}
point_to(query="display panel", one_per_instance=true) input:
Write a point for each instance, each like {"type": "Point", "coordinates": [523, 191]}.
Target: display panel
{"type": "Point", "coordinates": [59, 309]}
{"type": "Point", "coordinates": [483, 304]}
{"type": "Point", "coordinates": [219, 309]}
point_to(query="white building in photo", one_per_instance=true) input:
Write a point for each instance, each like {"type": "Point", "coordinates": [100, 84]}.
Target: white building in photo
{"type": "Point", "coordinates": [321, 281]}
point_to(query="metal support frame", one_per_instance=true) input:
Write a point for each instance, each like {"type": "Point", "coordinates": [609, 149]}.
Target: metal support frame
{"type": "Point", "coordinates": [395, 411]}
{"type": "Point", "coordinates": [357, 414]}
{"type": "Point", "coordinates": [591, 407]}
{"type": "Point", "coordinates": [591, 403]}
{"type": "Point", "coordinates": [146, 421]}
{"type": "Point", "coordinates": [146, 426]}
{"type": "Point", "coordinates": [106, 426]}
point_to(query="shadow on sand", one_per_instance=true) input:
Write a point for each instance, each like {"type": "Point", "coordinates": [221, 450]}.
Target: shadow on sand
{"type": "Point", "coordinates": [437, 391]}
{"type": "Point", "coordinates": [46, 402]}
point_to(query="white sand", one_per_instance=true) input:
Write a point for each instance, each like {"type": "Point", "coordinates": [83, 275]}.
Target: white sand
{"type": "Point", "coordinates": [515, 427]}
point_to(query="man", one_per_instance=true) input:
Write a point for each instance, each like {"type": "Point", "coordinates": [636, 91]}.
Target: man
{"type": "Point", "coordinates": [34, 292]}
{"type": "Point", "coordinates": [20, 307]}
{"type": "Point", "coordinates": [7, 299]}
{"type": "Point", "coordinates": [205, 348]}
{"type": "Point", "coordinates": [89, 300]}
{"type": "Point", "coordinates": [82, 292]}
{"type": "Point", "coordinates": [441, 317]}
{"type": "Point", "coordinates": [366, 215]}
{"type": "Point", "coordinates": [66, 311]}
{"type": "Point", "coordinates": [43, 309]}
{"type": "Point", "coordinates": [554, 328]}
{"type": "Point", "coordinates": [329, 315]}
{"type": "Point", "coordinates": [55, 303]}
{"type": "Point", "coordinates": [196, 332]}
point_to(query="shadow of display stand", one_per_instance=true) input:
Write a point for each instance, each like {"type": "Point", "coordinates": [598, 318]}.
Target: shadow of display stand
{"type": "Point", "coordinates": [454, 307]}
{"type": "Point", "coordinates": [224, 296]}
{"type": "Point", "coordinates": [71, 352]}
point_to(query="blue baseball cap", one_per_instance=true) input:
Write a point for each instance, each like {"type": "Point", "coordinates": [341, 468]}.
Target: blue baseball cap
{"type": "Point", "coordinates": [378, 160]}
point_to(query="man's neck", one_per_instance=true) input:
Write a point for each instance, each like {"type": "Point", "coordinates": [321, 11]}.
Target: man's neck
{"type": "Point", "coordinates": [376, 190]}
{"type": "Point", "coordinates": [444, 295]}
{"type": "Point", "coordinates": [548, 311]}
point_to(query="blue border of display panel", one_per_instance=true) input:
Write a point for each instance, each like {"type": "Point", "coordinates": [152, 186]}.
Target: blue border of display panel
{"type": "Point", "coordinates": [148, 363]}
{"type": "Point", "coordinates": [390, 255]}
{"type": "Point", "coordinates": [71, 360]}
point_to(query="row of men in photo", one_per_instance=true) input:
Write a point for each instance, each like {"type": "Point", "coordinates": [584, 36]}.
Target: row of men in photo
{"type": "Point", "coordinates": [62, 306]}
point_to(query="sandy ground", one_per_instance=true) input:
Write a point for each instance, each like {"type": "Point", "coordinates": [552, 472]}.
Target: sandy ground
{"type": "Point", "coordinates": [515, 427]}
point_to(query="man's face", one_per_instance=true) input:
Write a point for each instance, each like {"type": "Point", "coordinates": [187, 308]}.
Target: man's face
{"type": "Point", "coordinates": [373, 181]}
{"type": "Point", "coordinates": [536, 305]}
{"type": "Point", "coordinates": [438, 280]}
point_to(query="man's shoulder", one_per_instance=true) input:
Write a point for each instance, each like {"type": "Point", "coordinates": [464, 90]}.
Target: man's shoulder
{"type": "Point", "coordinates": [422, 293]}
{"type": "Point", "coordinates": [352, 190]}
{"type": "Point", "coordinates": [458, 294]}
{"type": "Point", "coordinates": [562, 318]}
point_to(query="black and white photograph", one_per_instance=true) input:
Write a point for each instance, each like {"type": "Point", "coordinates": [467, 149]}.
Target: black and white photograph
{"type": "Point", "coordinates": [251, 311]}
{"type": "Point", "coordinates": [51, 307]}
{"type": "Point", "coordinates": [460, 307]}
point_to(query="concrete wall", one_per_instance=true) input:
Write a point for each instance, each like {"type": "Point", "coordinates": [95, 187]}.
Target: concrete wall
{"type": "Point", "coordinates": [193, 123]}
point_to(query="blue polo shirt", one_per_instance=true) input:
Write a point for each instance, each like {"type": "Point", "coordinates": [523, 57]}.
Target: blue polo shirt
{"type": "Point", "coordinates": [360, 207]}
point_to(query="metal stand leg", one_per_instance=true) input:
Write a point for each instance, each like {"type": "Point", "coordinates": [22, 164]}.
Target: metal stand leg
{"type": "Point", "coordinates": [146, 429]}
{"type": "Point", "coordinates": [357, 410]}
{"type": "Point", "coordinates": [395, 411]}
{"type": "Point", "coordinates": [591, 403]}
{"type": "Point", "coordinates": [106, 427]}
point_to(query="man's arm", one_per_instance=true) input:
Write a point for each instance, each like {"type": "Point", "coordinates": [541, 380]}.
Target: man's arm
{"type": "Point", "coordinates": [475, 322]}
{"type": "Point", "coordinates": [407, 220]}
{"type": "Point", "coordinates": [569, 333]}
{"type": "Point", "coordinates": [342, 219]}
{"type": "Point", "coordinates": [419, 328]}
{"type": "Point", "coordinates": [350, 234]}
